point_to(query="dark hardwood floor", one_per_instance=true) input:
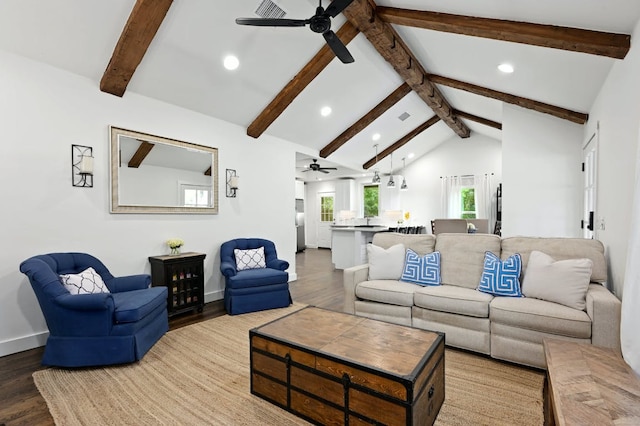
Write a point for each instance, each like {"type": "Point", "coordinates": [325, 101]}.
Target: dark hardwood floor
{"type": "Point", "coordinates": [21, 404]}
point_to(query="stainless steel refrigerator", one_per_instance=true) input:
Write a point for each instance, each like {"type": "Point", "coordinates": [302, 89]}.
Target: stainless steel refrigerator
{"type": "Point", "coordinates": [300, 244]}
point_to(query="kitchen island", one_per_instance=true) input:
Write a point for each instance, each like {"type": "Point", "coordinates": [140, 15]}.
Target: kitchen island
{"type": "Point", "coordinates": [349, 244]}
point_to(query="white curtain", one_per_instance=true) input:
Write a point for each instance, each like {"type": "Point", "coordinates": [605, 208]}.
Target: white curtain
{"type": "Point", "coordinates": [629, 337]}
{"type": "Point", "coordinates": [483, 194]}
{"type": "Point", "coordinates": [450, 201]}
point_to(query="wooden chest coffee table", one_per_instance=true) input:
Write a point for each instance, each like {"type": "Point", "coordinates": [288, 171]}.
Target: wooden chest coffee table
{"type": "Point", "coordinates": [334, 368]}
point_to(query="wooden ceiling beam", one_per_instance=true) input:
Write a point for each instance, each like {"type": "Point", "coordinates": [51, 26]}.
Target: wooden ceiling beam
{"type": "Point", "coordinates": [141, 153]}
{"type": "Point", "coordinates": [310, 71]}
{"type": "Point", "coordinates": [477, 119]}
{"type": "Point", "coordinates": [362, 14]}
{"type": "Point", "coordinates": [140, 29]}
{"type": "Point", "coordinates": [565, 114]}
{"type": "Point", "coordinates": [403, 140]}
{"type": "Point", "coordinates": [572, 39]}
{"type": "Point", "coordinates": [365, 120]}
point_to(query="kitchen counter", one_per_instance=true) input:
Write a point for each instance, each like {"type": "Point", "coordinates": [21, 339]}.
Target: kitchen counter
{"type": "Point", "coordinates": [349, 244]}
{"type": "Point", "coordinates": [361, 228]}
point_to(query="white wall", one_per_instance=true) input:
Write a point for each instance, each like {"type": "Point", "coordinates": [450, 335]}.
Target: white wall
{"type": "Point", "coordinates": [475, 155]}
{"type": "Point", "coordinates": [542, 189]}
{"type": "Point", "coordinates": [157, 186]}
{"type": "Point", "coordinates": [44, 111]}
{"type": "Point", "coordinates": [617, 110]}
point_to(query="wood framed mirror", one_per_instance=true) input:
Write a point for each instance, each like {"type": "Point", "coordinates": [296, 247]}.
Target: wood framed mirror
{"type": "Point", "coordinates": [153, 174]}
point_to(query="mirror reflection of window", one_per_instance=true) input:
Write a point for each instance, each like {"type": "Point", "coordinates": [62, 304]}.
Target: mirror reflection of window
{"type": "Point", "coordinates": [195, 195]}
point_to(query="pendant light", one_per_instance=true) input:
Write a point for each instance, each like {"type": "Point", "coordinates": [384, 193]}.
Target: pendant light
{"type": "Point", "coordinates": [391, 183]}
{"type": "Point", "coordinates": [404, 186]}
{"type": "Point", "coordinates": [376, 175]}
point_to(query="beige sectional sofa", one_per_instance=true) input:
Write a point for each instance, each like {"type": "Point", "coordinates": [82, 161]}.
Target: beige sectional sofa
{"type": "Point", "coordinates": [508, 328]}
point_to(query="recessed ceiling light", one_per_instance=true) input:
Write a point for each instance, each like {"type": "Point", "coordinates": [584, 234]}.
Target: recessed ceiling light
{"type": "Point", "coordinates": [325, 111]}
{"type": "Point", "coordinates": [411, 155]}
{"type": "Point", "coordinates": [506, 68]}
{"type": "Point", "coordinates": [231, 62]}
{"type": "Point", "coordinates": [376, 136]}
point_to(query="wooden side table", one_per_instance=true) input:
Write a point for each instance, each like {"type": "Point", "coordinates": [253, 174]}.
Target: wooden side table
{"type": "Point", "coordinates": [589, 385]}
{"type": "Point", "coordinates": [183, 275]}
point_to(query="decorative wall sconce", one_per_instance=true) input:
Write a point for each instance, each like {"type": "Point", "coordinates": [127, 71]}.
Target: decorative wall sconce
{"type": "Point", "coordinates": [82, 166]}
{"type": "Point", "coordinates": [232, 183]}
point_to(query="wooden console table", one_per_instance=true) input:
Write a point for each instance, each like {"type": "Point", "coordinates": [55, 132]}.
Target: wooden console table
{"type": "Point", "coordinates": [589, 385]}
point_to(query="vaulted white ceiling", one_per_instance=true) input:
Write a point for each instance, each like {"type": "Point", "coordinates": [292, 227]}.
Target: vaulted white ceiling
{"type": "Point", "coordinates": [183, 65]}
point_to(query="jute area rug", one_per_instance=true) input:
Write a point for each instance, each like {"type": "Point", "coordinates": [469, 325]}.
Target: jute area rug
{"type": "Point", "coordinates": [199, 375]}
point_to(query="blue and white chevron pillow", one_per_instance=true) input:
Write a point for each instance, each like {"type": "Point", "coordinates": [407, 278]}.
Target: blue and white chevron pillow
{"type": "Point", "coordinates": [501, 277]}
{"type": "Point", "coordinates": [422, 270]}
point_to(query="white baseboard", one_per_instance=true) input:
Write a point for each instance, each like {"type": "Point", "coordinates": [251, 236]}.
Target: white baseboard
{"type": "Point", "coordinates": [25, 343]}
{"type": "Point", "coordinates": [213, 296]}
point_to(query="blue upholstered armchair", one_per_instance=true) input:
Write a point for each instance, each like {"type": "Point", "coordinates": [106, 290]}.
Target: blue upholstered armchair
{"type": "Point", "coordinates": [113, 327]}
{"type": "Point", "coordinates": [263, 285]}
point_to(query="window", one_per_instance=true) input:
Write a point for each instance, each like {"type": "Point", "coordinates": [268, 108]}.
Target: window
{"type": "Point", "coordinates": [371, 200]}
{"type": "Point", "coordinates": [326, 209]}
{"type": "Point", "coordinates": [468, 203]}
{"type": "Point", "coordinates": [195, 195]}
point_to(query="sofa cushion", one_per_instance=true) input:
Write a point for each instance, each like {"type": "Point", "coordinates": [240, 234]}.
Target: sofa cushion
{"type": "Point", "coordinates": [387, 291]}
{"type": "Point", "coordinates": [462, 257]}
{"type": "Point", "coordinates": [564, 281]}
{"type": "Point", "coordinates": [133, 306]}
{"type": "Point", "coordinates": [540, 315]}
{"type": "Point", "coordinates": [501, 277]}
{"type": "Point", "coordinates": [86, 282]}
{"type": "Point", "coordinates": [421, 270]}
{"type": "Point", "coordinates": [559, 249]}
{"type": "Point", "coordinates": [385, 264]}
{"type": "Point", "coordinates": [257, 278]}
{"type": "Point", "coordinates": [250, 259]}
{"type": "Point", "coordinates": [456, 300]}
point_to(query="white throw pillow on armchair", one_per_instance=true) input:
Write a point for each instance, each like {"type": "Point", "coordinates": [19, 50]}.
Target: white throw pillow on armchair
{"type": "Point", "coordinates": [385, 264]}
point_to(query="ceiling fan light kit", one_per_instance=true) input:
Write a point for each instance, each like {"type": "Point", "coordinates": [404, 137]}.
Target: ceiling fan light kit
{"type": "Point", "coordinates": [318, 23]}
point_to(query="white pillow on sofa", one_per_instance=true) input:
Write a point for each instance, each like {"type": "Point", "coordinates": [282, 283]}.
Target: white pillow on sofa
{"type": "Point", "coordinates": [385, 264]}
{"type": "Point", "coordinates": [564, 281]}
{"type": "Point", "coordinates": [86, 282]}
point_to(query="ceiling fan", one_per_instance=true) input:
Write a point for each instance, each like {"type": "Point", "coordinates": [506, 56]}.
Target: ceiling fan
{"type": "Point", "coordinates": [319, 23]}
{"type": "Point", "coordinates": [315, 167]}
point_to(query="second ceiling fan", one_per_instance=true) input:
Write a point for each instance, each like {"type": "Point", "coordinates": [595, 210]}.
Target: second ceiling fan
{"type": "Point", "coordinates": [319, 23]}
{"type": "Point", "coordinates": [315, 167]}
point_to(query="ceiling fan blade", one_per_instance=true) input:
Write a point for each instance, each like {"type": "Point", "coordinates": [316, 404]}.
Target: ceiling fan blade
{"type": "Point", "coordinates": [336, 7]}
{"type": "Point", "coordinates": [327, 168]}
{"type": "Point", "coordinates": [338, 47]}
{"type": "Point", "coordinates": [269, 22]}
{"type": "Point", "coordinates": [323, 171]}
{"type": "Point", "coordinates": [306, 170]}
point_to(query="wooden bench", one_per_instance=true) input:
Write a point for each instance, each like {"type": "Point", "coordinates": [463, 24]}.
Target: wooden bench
{"type": "Point", "coordinates": [589, 385]}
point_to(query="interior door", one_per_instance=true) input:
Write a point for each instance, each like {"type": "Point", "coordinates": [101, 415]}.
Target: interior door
{"type": "Point", "coordinates": [327, 216]}
{"type": "Point", "coordinates": [589, 163]}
